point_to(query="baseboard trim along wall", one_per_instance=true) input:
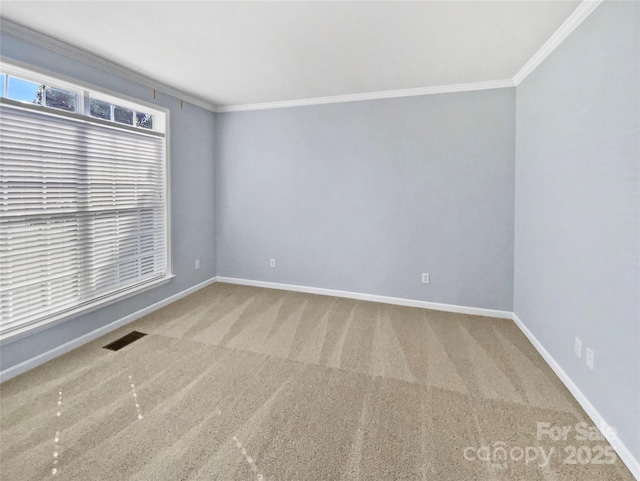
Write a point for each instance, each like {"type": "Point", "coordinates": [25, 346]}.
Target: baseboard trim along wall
{"type": "Point", "coordinates": [25, 366]}
{"type": "Point", "coordinates": [621, 449]}
{"type": "Point", "coordinates": [475, 311]}
{"type": "Point", "coordinates": [598, 420]}
{"type": "Point", "coordinates": [29, 364]}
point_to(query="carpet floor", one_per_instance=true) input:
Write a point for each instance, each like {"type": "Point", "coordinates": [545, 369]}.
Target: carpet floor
{"type": "Point", "coordinates": [244, 383]}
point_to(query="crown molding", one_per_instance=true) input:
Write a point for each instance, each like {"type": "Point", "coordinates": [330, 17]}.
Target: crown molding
{"type": "Point", "coordinates": [81, 55]}
{"type": "Point", "coordinates": [96, 61]}
{"type": "Point", "coordinates": [385, 94]}
{"type": "Point", "coordinates": [581, 12]}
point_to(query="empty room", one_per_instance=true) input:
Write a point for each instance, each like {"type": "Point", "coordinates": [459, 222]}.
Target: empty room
{"type": "Point", "coordinates": [320, 240]}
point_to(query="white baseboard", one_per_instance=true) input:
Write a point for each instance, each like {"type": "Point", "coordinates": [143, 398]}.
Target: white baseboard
{"type": "Point", "coordinates": [35, 361]}
{"type": "Point", "coordinates": [476, 311]}
{"type": "Point", "coordinates": [623, 452]}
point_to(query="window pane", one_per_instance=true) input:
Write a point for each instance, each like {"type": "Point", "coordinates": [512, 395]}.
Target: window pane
{"type": "Point", "coordinates": [100, 109]}
{"type": "Point", "coordinates": [123, 116]}
{"type": "Point", "coordinates": [60, 99]}
{"type": "Point", "coordinates": [144, 120]}
{"type": "Point", "coordinates": [25, 91]}
{"type": "Point", "coordinates": [2, 80]}
{"type": "Point", "coordinates": [81, 219]}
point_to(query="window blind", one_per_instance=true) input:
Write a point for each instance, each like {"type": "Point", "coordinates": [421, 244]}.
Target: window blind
{"type": "Point", "coordinates": [82, 213]}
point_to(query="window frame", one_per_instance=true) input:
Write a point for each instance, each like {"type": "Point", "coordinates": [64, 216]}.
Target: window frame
{"type": "Point", "coordinates": [84, 94]}
{"type": "Point", "coordinates": [161, 126]}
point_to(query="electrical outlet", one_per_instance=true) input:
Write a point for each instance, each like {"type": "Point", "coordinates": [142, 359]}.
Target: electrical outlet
{"type": "Point", "coordinates": [272, 262]}
{"type": "Point", "coordinates": [577, 347]}
{"type": "Point", "coordinates": [197, 264]}
{"type": "Point", "coordinates": [425, 278]}
{"type": "Point", "coordinates": [590, 356]}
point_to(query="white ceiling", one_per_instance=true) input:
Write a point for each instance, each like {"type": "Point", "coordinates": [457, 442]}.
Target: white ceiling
{"type": "Point", "coordinates": [231, 53]}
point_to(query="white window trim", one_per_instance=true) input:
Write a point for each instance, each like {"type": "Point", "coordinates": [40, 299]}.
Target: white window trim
{"type": "Point", "coordinates": [83, 90]}
{"type": "Point", "coordinates": [86, 309]}
{"type": "Point", "coordinates": [32, 76]}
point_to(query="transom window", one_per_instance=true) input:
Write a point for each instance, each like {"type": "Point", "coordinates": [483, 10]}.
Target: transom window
{"type": "Point", "coordinates": [83, 199]}
{"type": "Point", "coordinates": [24, 86]}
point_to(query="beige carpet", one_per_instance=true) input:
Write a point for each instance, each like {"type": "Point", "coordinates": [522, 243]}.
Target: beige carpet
{"type": "Point", "coordinates": [242, 383]}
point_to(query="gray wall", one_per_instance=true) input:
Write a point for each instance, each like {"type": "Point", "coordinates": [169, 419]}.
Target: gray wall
{"type": "Point", "coordinates": [577, 210]}
{"type": "Point", "coordinates": [365, 196]}
{"type": "Point", "coordinates": [192, 199]}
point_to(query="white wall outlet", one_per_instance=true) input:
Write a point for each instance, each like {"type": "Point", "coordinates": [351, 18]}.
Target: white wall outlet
{"type": "Point", "coordinates": [425, 278]}
{"type": "Point", "coordinates": [577, 347]}
{"type": "Point", "coordinates": [590, 356]}
{"type": "Point", "coordinates": [272, 262]}
{"type": "Point", "coordinates": [197, 264]}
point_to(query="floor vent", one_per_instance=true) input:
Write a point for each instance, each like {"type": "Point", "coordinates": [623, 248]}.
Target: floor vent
{"type": "Point", "coordinates": [124, 341]}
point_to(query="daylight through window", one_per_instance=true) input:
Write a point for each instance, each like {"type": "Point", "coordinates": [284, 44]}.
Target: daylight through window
{"type": "Point", "coordinates": [83, 199]}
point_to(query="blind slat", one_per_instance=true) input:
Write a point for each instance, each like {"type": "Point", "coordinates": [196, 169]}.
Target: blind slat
{"type": "Point", "coordinates": [82, 213]}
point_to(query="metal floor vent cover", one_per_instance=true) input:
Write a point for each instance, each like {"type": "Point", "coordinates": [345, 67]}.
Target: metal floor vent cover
{"type": "Point", "coordinates": [124, 341]}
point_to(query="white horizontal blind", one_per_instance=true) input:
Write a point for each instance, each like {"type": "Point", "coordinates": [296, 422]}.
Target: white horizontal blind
{"type": "Point", "coordinates": [82, 213]}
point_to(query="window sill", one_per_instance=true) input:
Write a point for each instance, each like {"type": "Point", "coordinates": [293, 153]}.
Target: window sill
{"type": "Point", "coordinates": [68, 315]}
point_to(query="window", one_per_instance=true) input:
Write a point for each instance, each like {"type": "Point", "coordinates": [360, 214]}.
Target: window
{"type": "Point", "coordinates": [104, 110]}
{"type": "Point", "coordinates": [83, 199]}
